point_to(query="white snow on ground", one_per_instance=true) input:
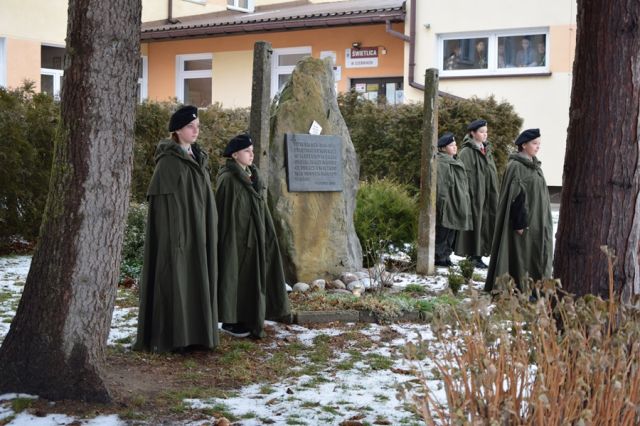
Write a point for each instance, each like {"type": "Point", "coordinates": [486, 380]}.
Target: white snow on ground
{"type": "Point", "coordinates": [327, 399]}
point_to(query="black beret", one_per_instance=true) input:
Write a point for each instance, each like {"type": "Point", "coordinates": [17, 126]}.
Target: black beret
{"type": "Point", "coordinates": [446, 139]}
{"type": "Point", "coordinates": [527, 135]}
{"type": "Point", "coordinates": [476, 124]}
{"type": "Point", "coordinates": [183, 116]}
{"type": "Point", "coordinates": [239, 142]}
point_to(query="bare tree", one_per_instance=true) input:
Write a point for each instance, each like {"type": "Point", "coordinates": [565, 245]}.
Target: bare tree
{"type": "Point", "coordinates": [600, 204]}
{"type": "Point", "coordinates": [55, 346]}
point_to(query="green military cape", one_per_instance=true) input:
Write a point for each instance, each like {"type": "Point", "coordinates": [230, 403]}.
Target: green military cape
{"type": "Point", "coordinates": [453, 206]}
{"type": "Point", "coordinates": [483, 191]}
{"type": "Point", "coordinates": [532, 252]}
{"type": "Point", "coordinates": [178, 305]}
{"type": "Point", "coordinates": [252, 284]}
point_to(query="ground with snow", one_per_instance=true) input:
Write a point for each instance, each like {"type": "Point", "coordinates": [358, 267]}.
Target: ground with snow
{"type": "Point", "coordinates": [361, 383]}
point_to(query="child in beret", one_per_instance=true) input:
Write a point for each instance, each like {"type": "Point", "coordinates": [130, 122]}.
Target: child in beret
{"type": "Point", "coordinates": [252, 286]}
{"type": "Point", "coordinates": [523, 243]}
{"type": "Point", "coordinates": [178, 306]}
{"type": "Point", "coordinates": [453, 211]}
{"type": "Point", "coordinates": [483, 190]}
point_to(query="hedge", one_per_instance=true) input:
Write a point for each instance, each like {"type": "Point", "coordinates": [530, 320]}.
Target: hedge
{"type": "Point", "coordinates": [386, 137]}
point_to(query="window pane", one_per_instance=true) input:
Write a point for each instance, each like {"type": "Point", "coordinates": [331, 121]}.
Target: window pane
{"type": "Point", "coordinates": [51, 57]}
{"type": "Point", "coordinates": [466, 53]}
{"type": "Point", "coordinates": [197, 65]}
{"type": "Point", "coordinates": [291, 59]}
{"type": "Point", "coordinates": [243, 4]}
{"type": "Point", "coordinates": [282, 79]}
{"type": "Point", "coordinates": [197, 91]}
{"type": "Point", "coordinates": [46, 84]}
{"type": "Point", "coordinates": [522, 51]}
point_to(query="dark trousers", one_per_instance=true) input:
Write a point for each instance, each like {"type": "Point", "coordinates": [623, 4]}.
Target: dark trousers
{"type": "Point", "coordinates": [445, 238]}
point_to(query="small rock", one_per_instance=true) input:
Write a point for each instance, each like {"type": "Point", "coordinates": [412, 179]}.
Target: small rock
{"type": "Point", "coordinates": [338, 291]}
{"type": "Point", "coordinates": [289, 289]}
{"type": "Point", "coordinates": [355, 285]}
{"type": "Point", "coordinates": [336, 285]}
{"type": "Point", "coordinates": [368, 283]}
{"type": "Point", "coordinates": [301, 287]}
{"type": "Point", "coordinates": [223, 421]}
{"type": "Point", "coordinates": [362, 274]}
{"type": "Point", "coordinates": [318, 284]}
{"type": "Point", "coordinates": [347, 277]}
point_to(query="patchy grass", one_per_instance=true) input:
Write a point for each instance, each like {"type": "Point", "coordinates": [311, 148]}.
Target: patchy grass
{"type": "Point", "coordinates": [415, 289]}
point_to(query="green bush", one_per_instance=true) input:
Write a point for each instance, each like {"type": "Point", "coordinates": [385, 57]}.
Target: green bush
{"type": "Point", "coordinates": [391, 135]}
{"type": "Point", "coordinates": [385, 218]}
{"type": "Point", "coordinates": [455, 281]}
{"type": "Point", "coordinates": [466, 268]}
{"type": "Point", "coordinates": [133, 247]}
{"type": "Point", "coordinates": [28, 123]}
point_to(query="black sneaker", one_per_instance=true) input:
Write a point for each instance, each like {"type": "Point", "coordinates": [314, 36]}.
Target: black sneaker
{"type": "Point", "coordinates": [445, 262]}
{"type": "Point", "coordinates": [477, 262]}
{"type": "Point", "coordinates": [235, 330]}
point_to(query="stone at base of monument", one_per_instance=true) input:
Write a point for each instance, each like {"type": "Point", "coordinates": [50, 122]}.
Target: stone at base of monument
{"type": "Point", "coordinates": [314, 163]}
{"type": "Point", "coordinates": [323, 317]}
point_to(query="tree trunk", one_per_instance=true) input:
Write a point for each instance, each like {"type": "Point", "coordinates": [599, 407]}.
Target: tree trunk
{"type": "Point", "coordinates": [55, 346]}
{"type": "Point", "coordinates": [600, 204]}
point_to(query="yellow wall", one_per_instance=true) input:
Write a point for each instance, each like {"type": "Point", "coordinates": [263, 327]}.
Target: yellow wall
{"type": "Point", "coordinates": [542, 101]}
{"type": "Point", "coordinates": [233, 74]}
{"type": "Point", "coordinates": [162, 60]}
{"type": "Point", "coordinates": [43, 21]}
{"type": "Point", "coordinates": [156, 10]}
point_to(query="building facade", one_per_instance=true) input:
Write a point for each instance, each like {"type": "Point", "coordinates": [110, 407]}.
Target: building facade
{"type": "Point", "coordinates": [201, 51]}
{"type": "Point", "coordinates": [517, 51]}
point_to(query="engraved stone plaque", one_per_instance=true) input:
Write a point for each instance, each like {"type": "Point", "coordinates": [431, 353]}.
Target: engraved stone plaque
{"type": "Point", "coordinates": [314, 163]}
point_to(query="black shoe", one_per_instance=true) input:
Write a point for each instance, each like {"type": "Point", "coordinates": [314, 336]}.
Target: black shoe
{"type": "Point", "coordinates": [445, 263]}
{"type": "Point", "coordinates": [235, 330]}
{"type": "Point", "coordinates": [477, 262]}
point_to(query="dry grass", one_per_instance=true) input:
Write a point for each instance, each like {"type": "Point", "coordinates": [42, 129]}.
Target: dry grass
{"type": "Point", "coordinates": [556, 361]}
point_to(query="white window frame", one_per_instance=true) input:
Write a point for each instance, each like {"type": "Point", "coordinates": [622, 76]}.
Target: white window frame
{"type": "Point", "coordinates": [277, 70]}
{"type": "Point", "coordinates": [143, 81]}
{"type": "Point", "coordinates": [492, 53]}
{"type": "Point", "coordinates": [182, 75]}
{"type": "Point", "coordinates": [3, 62]}
{"type": "Point", "coordinates": [235, 6]}
{"type": "Point", "coordinates": [57, 80]}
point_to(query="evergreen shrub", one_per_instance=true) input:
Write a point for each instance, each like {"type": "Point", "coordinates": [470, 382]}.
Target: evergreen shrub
{"type": "Point", "coordinates": [385, 218]}
{"type": "Point", "coordinates": [28, 123]}
{"type": "Point", "coordinates": [133, 246]}
{"type": "Point", "coordinates": [388, 138]}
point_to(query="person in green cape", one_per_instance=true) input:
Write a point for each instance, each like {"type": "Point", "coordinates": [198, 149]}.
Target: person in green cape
{"type": "Point", "coordinates": [523, 242]}
{"type": "Point", "coordinates": [252, 285]}
{"type": "Point", "coordinates": [453, 206]}
{"type": "Point", "coordinates": [483, 189]}
{"type": "Point", "coordinates": [178, 305]}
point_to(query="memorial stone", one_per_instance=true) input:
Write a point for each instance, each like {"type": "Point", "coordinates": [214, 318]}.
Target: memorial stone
{"type": "Point", "coordinates": [314, 224]}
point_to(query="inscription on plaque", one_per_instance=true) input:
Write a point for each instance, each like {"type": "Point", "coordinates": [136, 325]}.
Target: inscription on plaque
{"type": "Point", "coordinates": [314, 163]}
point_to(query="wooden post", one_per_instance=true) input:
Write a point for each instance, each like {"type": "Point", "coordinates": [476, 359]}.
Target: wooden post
{"type": "Point", "coordinates": [260, 101]}
{"type": "Point", "coordinates": [428, 177]}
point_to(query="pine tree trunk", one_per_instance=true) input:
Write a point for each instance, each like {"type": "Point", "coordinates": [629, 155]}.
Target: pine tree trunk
{"type": "Point", "coordinates": [600, 204]}
{"type": "Point", "coordinates": [55, 346]}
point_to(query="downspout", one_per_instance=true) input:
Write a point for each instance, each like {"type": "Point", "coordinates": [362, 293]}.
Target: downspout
{"type": "Point", "coordinates": [412, 45]}
{"type": "Point", "coordinates": [170, 18]}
